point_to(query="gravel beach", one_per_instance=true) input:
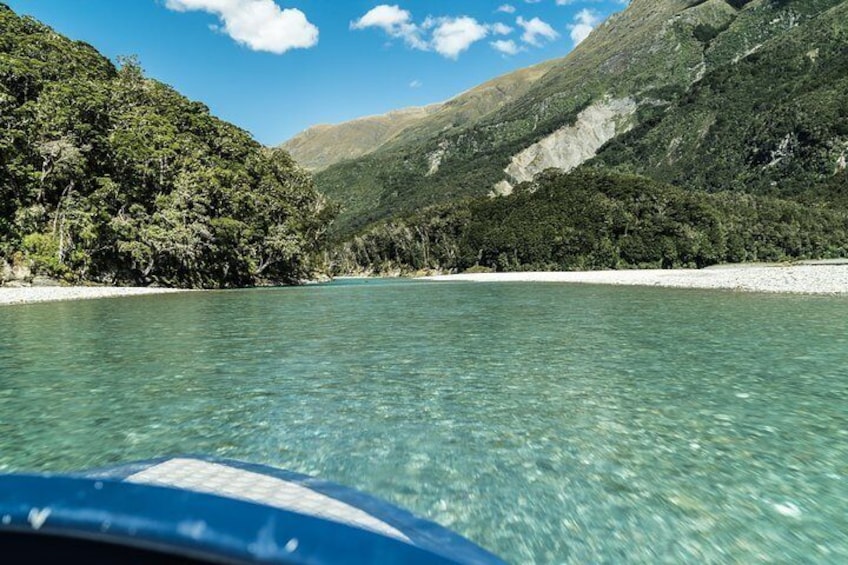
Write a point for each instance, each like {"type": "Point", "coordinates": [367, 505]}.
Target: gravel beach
{"type": "Point", "coordinates": [797, 279]}
{"type": "Point", "coordinates": [829, 279]}
{"type": "Point", "coordinates": [26, 295]}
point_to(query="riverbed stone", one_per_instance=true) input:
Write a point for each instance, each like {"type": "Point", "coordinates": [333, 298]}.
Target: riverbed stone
{"type": "Point", "coordinates": [44, 282]}
{"type": "Point", "coordinates": [14, 273]}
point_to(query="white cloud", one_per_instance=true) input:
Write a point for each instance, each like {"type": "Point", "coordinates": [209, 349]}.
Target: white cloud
{"type": "Point", "coordinates": [507, 47]}
{"type": "Point", "coordinates": [389, 18]}
{"type": "Point", "coordinates": [448, 36]}
{"type": "Point", "coordinates": [586, 20]}
{"type": "Point", "coordinates": [395, 22]}
{"type": "Point", "coordinates": [570, 2]}
{"type": "Point", "coordinates": [261, 25]}
{"type": "Point", "coordinates": [506, 9]}
{"type": "Point", "coordinates": [500, 29]}
{"type": "Point", "coordinates": [452, 36]}
{"type": "Point", "coordinates": [534, 30]}
{"type": "Point", "coordinates": [416, 84]}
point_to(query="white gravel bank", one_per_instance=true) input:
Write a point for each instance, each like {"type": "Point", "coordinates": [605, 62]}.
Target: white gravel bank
{"type": "Point", "coordinates": [798, 279]}
{"type": "Point", "coordinates": [27, 295]}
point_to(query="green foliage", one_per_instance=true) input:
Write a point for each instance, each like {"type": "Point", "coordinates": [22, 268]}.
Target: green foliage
{"type": "Point", "coordinates": [43, 251]}
{"type": "Point", "coordinates": [738, 4]}
{"type": "Point", "coordinates": [743, 107]}
{"type": "Point", "coordinates": [590, 220]}
{"type": "Point", "coordinates": [775, 122]}
{"type": "Point", "coordinates": [401, 181]}
{"type": "Point", "coordinates": [109, 176]}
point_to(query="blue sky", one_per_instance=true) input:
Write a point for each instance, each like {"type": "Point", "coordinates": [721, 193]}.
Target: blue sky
{"type": "Point", "coordinates": [276, 67]}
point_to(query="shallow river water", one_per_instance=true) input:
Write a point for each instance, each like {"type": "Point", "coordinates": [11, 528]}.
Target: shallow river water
{"type": "Point", "coordinates": [549, 423]}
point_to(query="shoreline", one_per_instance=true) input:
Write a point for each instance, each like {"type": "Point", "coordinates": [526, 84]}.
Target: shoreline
{"type": "Point", "coordinates": [811, 278]}
{"type": "Point", "coordinates": [38, 294]}
{"type": "Point", "coordinates": [818, 279]}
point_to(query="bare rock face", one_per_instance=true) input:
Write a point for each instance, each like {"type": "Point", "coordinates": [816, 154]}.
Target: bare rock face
{"type": "Point", "coordinates": [434, 159]}
{"type": "Point", "coordinates": [14, 275]}
{"type": "Point", "coordinates": [571, 146]}
{"type": "Point", "coordinates": [503, 188]}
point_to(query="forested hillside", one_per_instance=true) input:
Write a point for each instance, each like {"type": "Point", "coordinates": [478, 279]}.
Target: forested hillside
{"type": "Point", "coordinates": [705, 94]}
{"type": "Point", "coordinates": [701, 131]}
{"type": "Point", "coordinates": [773, 122]}
{"type": "Point", "coordinates": [109, 176]}
{"type": "Point", "coordinates": [593, 220]}
{"type": "Point", "coordinates": [322, 146]}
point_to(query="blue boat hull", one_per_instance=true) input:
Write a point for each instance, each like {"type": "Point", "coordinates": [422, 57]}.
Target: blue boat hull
{"type": "Point", "coordinates": [202, 510]}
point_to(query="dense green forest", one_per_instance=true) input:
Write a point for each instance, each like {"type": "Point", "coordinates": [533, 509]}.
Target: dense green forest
{"type": "Point", "coordinates": [737, 152]}
{"type": "Point", "coordinates": [108, 176]}
{"type": "Point", "coordinates": [594, 220]}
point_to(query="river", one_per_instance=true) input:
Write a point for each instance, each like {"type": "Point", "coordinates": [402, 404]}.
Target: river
{"type": "Point", "coordinates": [549, 423]}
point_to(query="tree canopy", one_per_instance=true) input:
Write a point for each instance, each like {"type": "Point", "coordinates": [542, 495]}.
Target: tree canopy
{"type": "Point", "coordinates": [598, 220]}
{"type": "Point", "coordinates": [112, 177]}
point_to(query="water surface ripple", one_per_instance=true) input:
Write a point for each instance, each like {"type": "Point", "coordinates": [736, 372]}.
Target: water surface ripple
{"type": "Point", "coordinates": [550, 423]}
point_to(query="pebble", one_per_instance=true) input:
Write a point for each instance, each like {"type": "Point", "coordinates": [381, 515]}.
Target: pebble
{"type": "Point", "coordinates": [787, 509]}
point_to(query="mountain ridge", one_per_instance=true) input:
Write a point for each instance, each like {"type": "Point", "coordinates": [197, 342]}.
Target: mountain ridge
{"type": "Point", "coordinates": [642, 61]}
{"type": "Point", "coordinates": [324, 145]}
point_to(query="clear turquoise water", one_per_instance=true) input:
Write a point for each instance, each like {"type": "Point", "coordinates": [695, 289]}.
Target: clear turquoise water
{"type": "Point", "coordinates": [549, 423]}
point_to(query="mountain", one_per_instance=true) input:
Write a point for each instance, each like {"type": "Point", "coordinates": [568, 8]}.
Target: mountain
{"type": "Point", "coordinates": [704, 94]}
{"type": "Point", "coordinates": [111, 177]}
{"type": "Point", "coordinates": [773, 122]}
{"type": "Point", "coordinates": [322, 146]}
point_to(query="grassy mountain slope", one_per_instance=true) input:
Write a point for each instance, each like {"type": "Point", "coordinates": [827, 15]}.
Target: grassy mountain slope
{"type": "Point", "coordinates": [641, 63]}
{"type": "Point", "coordinates": [322, 146]}
{"type": "Point", "coordinates": [108, 176]}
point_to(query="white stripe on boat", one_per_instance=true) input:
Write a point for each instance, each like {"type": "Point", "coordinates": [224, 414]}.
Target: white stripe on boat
{"type": "Point", "coordinates": [221, 480]}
